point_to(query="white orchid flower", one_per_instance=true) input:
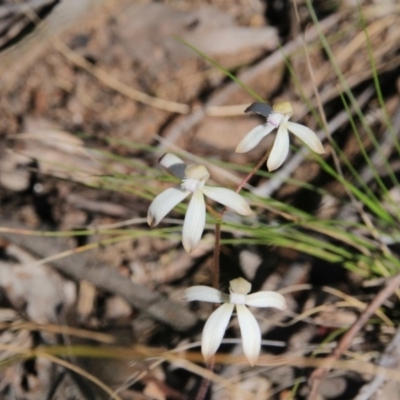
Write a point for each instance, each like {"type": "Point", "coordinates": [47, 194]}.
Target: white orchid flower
{"type": "Point", "coordinates": [193, 178]}
{"type": "Point", "coordinates": [217, 323]}
{"type": "Point", "coordinates": [278, 117]}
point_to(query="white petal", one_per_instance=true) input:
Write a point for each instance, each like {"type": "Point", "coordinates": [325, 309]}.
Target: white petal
{"type": "Point", "coordinates": [173, 164]}
{"type": "Point", "coordinates": [266, 299]}
{"type": "Point", "coordinates": [251, 334]}
{"type": "Point", "coordinates": [164, 203]}
{"type": "Point", "coordinates": [308, 136]}
{"type": "Point", "coordinates": [228, 198]}
{"type": "Point", "coordinates": [205, 293]}
{"type": "Point", "coordinates": [279, 150]}
{"type": "Point", "coordinates": [214, 330]}
{"type": "Point", "coordinates": [195, 220]}
{"type": "Point", "coordinates": [254, 137]}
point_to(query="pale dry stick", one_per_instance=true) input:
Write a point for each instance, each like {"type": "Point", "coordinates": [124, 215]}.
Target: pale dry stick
{"type": "Point", "coordinates": [390, 358]}
{"type": "Point", "coordinates": [46, 31]}
{"type": "Point", "coordinates": [108, 79]}
{"type": "Point", "coordinates": [347, 301]}
{"type": "Point", "coordinates": [284, 173]}
{"type": "Point", "coordinates": [9, 9]}
{"type": "Point", "coordinates": [17, 58]}
{"type": "Point", "coordinates": [353, 302]}
{"type": "Point", "coordinates": [116, 225]}
{"type": "Point", "coordinates": [386, 147]}
{"type": "Point", "coordinates": [325, 74]}
{"type": "Point", "coordinates": [59, 329]}
{"type": "Point", "coordinates": [295, 360]}
{"type": "Point", "coordinates": [83, 266]}
{"type": "Point", "coordinates": [189, 362]}
{"type": "Point", "coordinates": [40, 352]}
{"type": "Point", "coordinates": [10, 14]}
{"type": "Point", "coordinates": [183, 125]}
{"type": "Point", "coordinates": [377, 159]}
{"type": "Point", "coordinates": [141, 352]}
{"type": "Point", "coordinates": [314, 84]}
{"type": "Point", "coordinates": [226, 111]}
{"type": "Point", "coordinates": [319, 374]}
{"type": "Point", "coordinates": [93, 229]}
{"type": "Point", "coordinates": [329, 92]}
{"type": "Point", "coordinates": [194, 368]}
{"type": "Point", "coordinates": [80, 371]}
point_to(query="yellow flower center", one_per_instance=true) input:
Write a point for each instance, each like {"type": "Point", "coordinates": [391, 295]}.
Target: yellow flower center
{"type": "Point", "coordinates": [197, 171]}
{"type": "Point", "coordinates": [195, 177]}
{"type": "Point", "coordinates": [283, 108]}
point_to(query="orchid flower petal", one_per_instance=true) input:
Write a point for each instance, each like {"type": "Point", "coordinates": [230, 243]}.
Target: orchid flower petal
{"type": "Point", "coordinates": [279, 150]}
{"type": "Point", "coordinates": [266, 299]}
{"type": "Point", "coordinates": [173, 164]}
{"type": "Point", "coordinates": [214, 329]}
{"type": "Point", "coordinates": [205, 293]}
{"type": "Point", "coordinates": [254, 137]}
{"type": "Point", "coordinates": [308, 136]}
{"type": "Point", "coordinates": [195, 220]}
{"type": "Point", "coordinates": [164, 203]}
{"type": "Point", "coordinates": [251, 334]}
{"type": "Point", "coordinates": [228, 198]}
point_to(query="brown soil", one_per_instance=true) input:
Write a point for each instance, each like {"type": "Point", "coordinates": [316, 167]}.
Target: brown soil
{"type": "Point", "coordinates": [80, 79]}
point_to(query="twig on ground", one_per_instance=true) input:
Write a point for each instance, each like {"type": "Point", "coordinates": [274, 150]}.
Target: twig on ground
{"type": "Point", "coordinates": [385, 148]}
{"type": "Point", "coordinates": [85, 267]}
{"type": "Point", "coordinates": [19, 57]}
{"type": "Point", "coordinates": [107, 78]}
{"type": "Point", "coordinates": [115, 84]}
{"type": "Point", "coordinates": [390, 358]}
{"type": "Point", "coordinates": [319, 374]}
